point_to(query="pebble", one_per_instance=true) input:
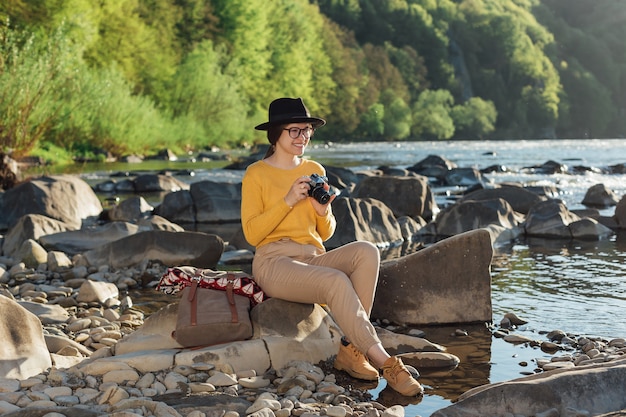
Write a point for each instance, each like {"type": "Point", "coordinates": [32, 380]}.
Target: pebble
{"type": "Point", "coordinates": [254, 382]}
{"type": "Point", "coordinates": [588, 350]}
{"type": "Point", "coordinates": [117, 389]}
{"type": "Point", "coordinates": [220, 379]}
{"type": "Point", "coordinates": [517, 338]}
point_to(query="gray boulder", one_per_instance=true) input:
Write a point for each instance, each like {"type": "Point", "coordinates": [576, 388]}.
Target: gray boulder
{"type": "Point", "coordinates": [547, 168]}
{"type": "Point", "coordinates": [295, 330]}
{"type": "Point", "coordinates": [158, 182]}
{"type": "Point", "coordinates": [30, 226]}
{"type": "Point", "coordinates": [238, 240]}
{"type": "Point", "coordinates": [588, 390]}
{"type": "Point", "coordinates": [410, 227]}
{"type": "Point", "coordinates": [177, 207]}
{"type": "Point", "coordinates": [364, 219]}
{"type": "Point", "coordinates": [620, 213]}
{"type": "Point", "coordinates": [58, 261]}
{"type": "Point", "coordinates": [397, 343]}
{"type": "Point", "coordinates": [448, 282]}
{"type": "Point", "coordinates": [550, 219]}
{"type": "Point", "coordinates": [433, 166]}
{"type": "Point", "coordinates": [283, 332]}
{"type": "Point", "coordinates": [589, 229]}
{"type": "Point", "coordinates": [46, 313]}
{"type": "Point", "coordinates": [131, 209]}
{"type": "Point", "coordinates": [126, 185]}
{"type": "Point", "coordinates": [206, 202]}
{"type": "Point", "coordinates": [56, 343]}
{"type": "Point", "coordinates": [216, 202]}
{"type": "Point", "coordinates": [170, 248]}
{"type": "Point", "coordinates": [78, 241]}
{"type": "Point", "coordinates": [341, 178]}
{"type": "Point", "coordinates": [65, 198]}
{"type": "Point", "coordinates": [405, 196]}
{"type": "Point", "coordinates": [288, 330]}
{"type": "Point", "coordinates": [600, 196]}
{"type": "Point", "coordinates": [32, 254]}
{"type": "Point", "coordinates": [519, 198]}
{"type": "Point", "coordinates": [23, 349]}
{"type": "Point", "coordinates": [463, 177]}
{"type": "Point", "coordinates": [97, 292]}
{"type": "Point", "coordinates": [158, 223]}
{"type": "Point", "coordinates": [470, 215]}
{"type": "Point", "coordinates": [545, 191]}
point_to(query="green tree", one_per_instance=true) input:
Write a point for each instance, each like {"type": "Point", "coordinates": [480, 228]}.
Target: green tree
{"type": "Point", "coordinates": [474, 119]}
{"type": "Point", "coordinates": [589, 54]}
{"type": "Point", "coordinates": [514, 72]}
{"type": "Point", "coordinates": [346, 13]}
{"type": "Point", "coordinates": [383, 75]}
{"type": "Point", "coordinates": [431, 115]}
{"type": "Point", "coordinates": [145, 54]}
{"type": "Point", "coordinates": [590, 108]}
{"type": "Point", "coordinates": [207, 100]}
{"type": "Point", "coordinates": [244, 27]}
{"type": "Point", "coordinates": [197, 23]}
{"type": "Point", "coordinates": [27, 13]}
{"type": "Point", "coordinates": [397, 116]}
{"type": "Point", "coordinates": [411, 67]}
{"type": "Point", "coordinates": [372, 125]}
{"type": "Point", "coordinates": [346, 101]}
{"type": "Point", "coordinates": [301, 67]}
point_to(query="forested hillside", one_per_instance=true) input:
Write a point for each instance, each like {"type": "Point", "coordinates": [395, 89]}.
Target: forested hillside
{"type": "Point", "coordinates": [136, 76]}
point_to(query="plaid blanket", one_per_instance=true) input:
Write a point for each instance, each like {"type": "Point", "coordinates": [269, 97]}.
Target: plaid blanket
{"type": "Point", "coordinates": [179, 277]}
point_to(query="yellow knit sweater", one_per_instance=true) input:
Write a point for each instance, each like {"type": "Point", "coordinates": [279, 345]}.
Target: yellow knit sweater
{"type": "Point", "coordinates": [266, 218]}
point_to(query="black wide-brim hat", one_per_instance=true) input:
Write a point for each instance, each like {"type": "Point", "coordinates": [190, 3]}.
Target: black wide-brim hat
{"type": "Point", "coordinates": [289, 110]}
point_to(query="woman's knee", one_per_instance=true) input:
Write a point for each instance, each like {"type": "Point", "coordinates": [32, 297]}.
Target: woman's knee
{"type": "Point", "coordinates": [367, 251]}
{"type": "Point", "coordinates": [368, 246]}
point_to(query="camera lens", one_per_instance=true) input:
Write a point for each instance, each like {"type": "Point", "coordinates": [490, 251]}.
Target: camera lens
{"type": "Point", "coordinates": [321, 195]}
{"type": "Point", "coordinates": [317, 189]}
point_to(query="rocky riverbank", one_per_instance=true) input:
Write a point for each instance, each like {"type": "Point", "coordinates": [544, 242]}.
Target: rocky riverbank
{"type": "Point", "coordinates": [84, 317]}
{"type": "Point", "coordinates": [74, 343]}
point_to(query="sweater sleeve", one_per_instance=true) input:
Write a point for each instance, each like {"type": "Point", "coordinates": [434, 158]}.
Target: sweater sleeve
{"type": "Point", "coordinates": [326, 224]}
{"type": "Point", "coordinates": [256, 222]}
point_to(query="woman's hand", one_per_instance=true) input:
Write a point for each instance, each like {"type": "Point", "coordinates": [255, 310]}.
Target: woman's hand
{"type": "Point", "coordinates": [298, 191]}
{"type": "Point", "coordinates": [322, 209]}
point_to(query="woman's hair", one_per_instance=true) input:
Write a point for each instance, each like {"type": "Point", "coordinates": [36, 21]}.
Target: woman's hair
{"type": "Point", "coordinates": [273, 134]}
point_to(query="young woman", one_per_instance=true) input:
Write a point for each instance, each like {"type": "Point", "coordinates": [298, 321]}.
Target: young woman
{"type": "Point", "coordinates": [288, 227]}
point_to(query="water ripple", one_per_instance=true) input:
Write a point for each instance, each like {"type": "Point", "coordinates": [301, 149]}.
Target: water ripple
{"type": "Point", "coordinates": [573, 290]}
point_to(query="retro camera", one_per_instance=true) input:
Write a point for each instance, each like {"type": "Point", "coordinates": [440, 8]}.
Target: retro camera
{"type": "Point", "coordinates": [319, 189]}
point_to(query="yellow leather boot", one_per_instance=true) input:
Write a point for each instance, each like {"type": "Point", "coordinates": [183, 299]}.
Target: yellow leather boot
{"type": "Point", "coordinates": [351, 360]}
{"type": "Point", "coordinates": [399, 378]}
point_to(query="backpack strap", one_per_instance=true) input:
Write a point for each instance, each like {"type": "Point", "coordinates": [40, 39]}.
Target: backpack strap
{"type": "Point", "coordinates": [231, 299]}
{"type": "Point", "coordinates": [193, 300]}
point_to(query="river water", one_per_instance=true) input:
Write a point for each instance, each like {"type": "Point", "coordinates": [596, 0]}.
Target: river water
{"type": "Point", "coordinates": [575, 286]}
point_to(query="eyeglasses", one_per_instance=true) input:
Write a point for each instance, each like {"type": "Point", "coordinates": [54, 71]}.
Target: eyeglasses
{"type": "Point", "coordinates": [295, 132]}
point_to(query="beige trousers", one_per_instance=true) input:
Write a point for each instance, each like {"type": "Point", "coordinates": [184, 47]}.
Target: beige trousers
{"type": "Point", "coordinates": [344, 279]}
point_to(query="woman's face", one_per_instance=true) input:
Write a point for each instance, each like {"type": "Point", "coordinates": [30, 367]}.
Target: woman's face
{"type": "Point", "coordinates": [294, 138]}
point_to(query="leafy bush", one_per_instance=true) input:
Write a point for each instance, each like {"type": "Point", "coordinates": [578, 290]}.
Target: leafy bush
{"type": "Point", "coordinates": [33, 73]}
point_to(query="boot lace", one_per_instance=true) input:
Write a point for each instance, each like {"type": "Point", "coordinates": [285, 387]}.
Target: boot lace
{"type": "Point", "coordinates": [354, 351]}
{"type": "Point", "coordinates": [395, 369]}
